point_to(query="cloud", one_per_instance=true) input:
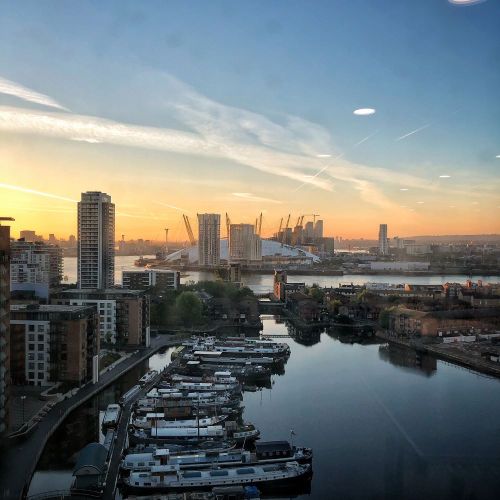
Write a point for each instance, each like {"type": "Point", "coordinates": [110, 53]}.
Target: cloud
{"type": "Point", "coordinates": [253, 198]}
{"type": "Point", "coordinates": [15, 89]}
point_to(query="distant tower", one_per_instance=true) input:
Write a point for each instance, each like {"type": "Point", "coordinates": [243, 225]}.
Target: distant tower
{"type": "Point", "coordinates": [209, 240]}
{"type": "Point", "coordinates": [383, 242]}
{"type": "Point", "coordinates": [244, 243]}
{"type": "Point", "coordinates": [96, 241]}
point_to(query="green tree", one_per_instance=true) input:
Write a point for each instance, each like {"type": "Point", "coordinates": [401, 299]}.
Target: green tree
{"type": "Point", "coordinates": [188, 308]}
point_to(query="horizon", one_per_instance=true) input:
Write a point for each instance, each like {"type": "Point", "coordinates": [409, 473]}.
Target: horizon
{"type": "Point", "coordinates": [390, 117]}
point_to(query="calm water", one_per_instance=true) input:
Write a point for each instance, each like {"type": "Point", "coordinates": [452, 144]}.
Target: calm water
{"type": "Point", "coordinates": [382, 423]}
{"type": "Point", "coordinates": [263, 283]}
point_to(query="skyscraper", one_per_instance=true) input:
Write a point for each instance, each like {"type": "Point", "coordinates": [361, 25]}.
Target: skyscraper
{"type": "Point", "coordinates": [208, 240]}
{"type": "Point", "coordinates": [383, 242]}
{"type": "Point", "coordinates": [96, 241]}
{"type": "Point", "coordinates": [318, 229]}
{"type": "Point", "coordinates": [244, 244]}
{"type": "Point", "coordinates": [4, 327]}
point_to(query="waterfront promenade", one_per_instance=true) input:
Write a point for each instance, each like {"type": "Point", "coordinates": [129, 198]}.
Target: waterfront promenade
{"type": "Point", "coordinates": [18, 461]}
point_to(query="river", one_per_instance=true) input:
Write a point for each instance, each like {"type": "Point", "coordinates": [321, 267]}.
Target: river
{"type": "Point", "coordinates": [382, 423]}
{"type": "Point", "coordinates": [263, 283]}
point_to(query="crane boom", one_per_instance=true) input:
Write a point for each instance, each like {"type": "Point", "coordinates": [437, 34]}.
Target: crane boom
{"type": "Point", "coordinates": [260, 225]}
{"type": "Point", "coordinates": [284, 231]}
{"type": "Point", "coordinates": [188, 229]}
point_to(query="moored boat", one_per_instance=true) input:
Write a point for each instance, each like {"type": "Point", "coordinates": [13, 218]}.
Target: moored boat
{"type": "Point", "coordinates": [111, 416]}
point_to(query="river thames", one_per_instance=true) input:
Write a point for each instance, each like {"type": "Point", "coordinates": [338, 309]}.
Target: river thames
{"type": "Point", "coordinates": [382, 422]}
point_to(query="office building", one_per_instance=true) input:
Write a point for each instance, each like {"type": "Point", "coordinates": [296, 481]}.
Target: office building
{"type": "Point", "coordinates": [141, 280]}
{"type": "Point", "coordinates": [209, 240]}
{"type": "Point", "coordinates": [96, 241]}
{"type": "Point", "coordinates": [4, 327]}
{"type": "Point", "coordinates": [28, 235]}
{"type": "Point", "coordinates": [35, 267]}
{"type": "Point", "coordinates": [318, 230]}
{"type": "Point", "coordinates": [53, 343]}
{"type": "Point", "coordinates": [123, 314]}
{"type": "Point", "coordinates": [383, 242]}
{"type": "Point", "coordinates": [309, 231]}
{"type": "Point", "coordinates": [244, 244]}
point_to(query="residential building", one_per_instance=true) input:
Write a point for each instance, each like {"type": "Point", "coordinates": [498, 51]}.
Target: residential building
{"type": "Point", "coordinates": [283, 289]}
{"type": "Point", "coordinates": [318, 229]}
{"type": "Point", "coordinates": [4, 327]}
{"type": "Point", "coordinates": [383, 242]}
{"type": "Point", "coordinates": [123, 314]}
{"type": "Point", "coordinates": [309, 231]}
{"type": "Point", "coordinates": [234, 273]}
{"type": "Point", "coordinates": [28, 235]}
{"type": "Point", "coordinates": [244, 244]}
{"type": "Point", "coordinates": [96, 241]}
{"type": "Point", "coordinates": [209, 240]}
{"type": "Point", "coordinates": [35, 267]}
{"type": "Point", "coordinates": [53, 343]}
{"type": "Point", "coordinates": [143, 279]}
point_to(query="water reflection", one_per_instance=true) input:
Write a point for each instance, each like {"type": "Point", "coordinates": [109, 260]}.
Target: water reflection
{"type": "Point", "coordinates": [408, 358]}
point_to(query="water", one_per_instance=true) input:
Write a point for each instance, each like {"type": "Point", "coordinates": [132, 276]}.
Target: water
{"type": "Point", "coordinates": [382, 423]}
{"type": "Point", "coordinates": [263, 283]}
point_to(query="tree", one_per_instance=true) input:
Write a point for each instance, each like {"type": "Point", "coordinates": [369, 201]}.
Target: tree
{"type": "Point", "coordinates": [189, 308]}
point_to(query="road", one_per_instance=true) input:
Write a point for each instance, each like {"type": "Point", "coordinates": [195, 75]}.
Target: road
{"type": "Point", "coordinates": [18, 461]}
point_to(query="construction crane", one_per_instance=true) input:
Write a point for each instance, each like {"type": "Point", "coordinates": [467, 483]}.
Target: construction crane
{"type": "Point", "coordinates": [166, 241]}
{"type": "Point", "coordinates": [285, 230]}
{"type": "Point", "coordinates": [311, 215]}
{"type": "Point", "coordinates": [189, 230]}
{"type": "Point", "coordinates": [279, 230]}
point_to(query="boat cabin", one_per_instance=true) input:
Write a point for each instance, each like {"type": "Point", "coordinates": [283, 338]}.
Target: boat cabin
{"type": "Point", "coordinates": [273, 449]}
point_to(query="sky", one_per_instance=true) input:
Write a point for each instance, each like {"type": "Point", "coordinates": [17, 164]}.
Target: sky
{"type": "Point", "coordinates": [245, 107]}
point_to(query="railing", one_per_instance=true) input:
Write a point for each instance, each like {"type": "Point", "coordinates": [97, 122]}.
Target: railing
{"type": "Point", "coordinates": [66, 494]}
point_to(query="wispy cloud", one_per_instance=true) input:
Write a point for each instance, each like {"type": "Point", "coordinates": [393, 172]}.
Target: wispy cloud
{"type": "Point", "coordinates": [8, 87]}
{"type": "Point", "coordinates": [423, 127]}
{"type": "Point", "coordinates": [253, 198]}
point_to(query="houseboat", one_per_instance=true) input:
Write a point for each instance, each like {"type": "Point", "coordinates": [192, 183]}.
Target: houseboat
{"type": "Point", "coordinates": [111, 416]}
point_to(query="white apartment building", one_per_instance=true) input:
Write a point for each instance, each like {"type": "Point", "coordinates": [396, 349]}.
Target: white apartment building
{"type": "Point", "coordinates": [142, 279]}
{"type": "Point", "coordinates": [209, 240]}
{"type": "Point", "coordinates": [244, 244]}
{"type": "Point", "coordinates": [96, 241]}
{"type": "Point", "coordinates": [35, 266]}
{"type": "Point", "coordinates": [383, 242]}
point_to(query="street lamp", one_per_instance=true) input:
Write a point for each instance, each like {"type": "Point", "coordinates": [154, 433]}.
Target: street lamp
{"type": "Point", "coordinates": [22, 399]}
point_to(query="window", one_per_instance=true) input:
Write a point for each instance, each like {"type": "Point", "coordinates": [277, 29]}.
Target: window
{"type": "Point", "coordinates": [40, 347]}
{"type": "Point", "coordinates": [41, 366]}
{"type": "Point", "coordinates": [40, 376]}
{"type": "Point", "coordinates": [31, 328]}
{"type": "Point", "coordinates": [41, 328]}
{"type": "Point", "coordinates": [40, 356]}
{"type": "Point", "coordinates": [31, 347]}
{"type": "Point", "coordinates": [31, 375]}
{"type": "Point", "coordinates": [31, 336]}
{"type": "Point", "coordinates": [31, 366]}
{"type": "Point", "coordinates": [31, 356]}
{"type": "Point", "coordinates": [41, 337]}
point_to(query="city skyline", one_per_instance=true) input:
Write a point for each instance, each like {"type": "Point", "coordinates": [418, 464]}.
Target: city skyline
{"type": "Point", "coordinates": [388, 116]}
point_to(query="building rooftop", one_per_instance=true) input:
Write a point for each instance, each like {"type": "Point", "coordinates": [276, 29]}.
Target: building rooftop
{"type": "Point", "coordinates": [54, 308]}
{"type": "Point", "coordinates": [97, 291]}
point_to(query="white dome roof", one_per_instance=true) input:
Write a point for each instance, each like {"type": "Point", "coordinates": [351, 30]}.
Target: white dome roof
{"type": "Point", "coordinates": [269, 248]}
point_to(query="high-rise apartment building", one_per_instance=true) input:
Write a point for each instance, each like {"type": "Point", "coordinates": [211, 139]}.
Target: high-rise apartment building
{"type": "Point", "coordinates": [383, 242]}
{"type": "Point", "coordinates": [318, 229]}
{"type": "Point", "coordinates": [29, 235]}
{"type": "Point", "coordinates": [4, 327]}
{"type": "Point", "coordinates": [96, 241]}
{"type": "Point", "coordinates": [244, 244]}
{"type": "Point", "coordinates": [309, 231]}
{"type": "Point", "coordinates": [36, 267]}
{"type": "Point", "coordinates": [208, 240]}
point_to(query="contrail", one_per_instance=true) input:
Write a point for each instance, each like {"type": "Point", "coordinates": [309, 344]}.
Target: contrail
{"type": "Point", "coordinates": [173, 207]}
{"type": "Point", "coordinates": [318, 173]}
{"type": "Point", "coordinates": [8, 87]}
{"type": "Point", "coordinates": [366, 138]}
{"type": "Point", "coordinates": [34, 191]}
{"type": "Point", "coordinates": [413, 132]}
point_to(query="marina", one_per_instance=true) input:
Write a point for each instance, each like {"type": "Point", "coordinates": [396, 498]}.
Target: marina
{"type": "Point", "coordinates": [361, 387]}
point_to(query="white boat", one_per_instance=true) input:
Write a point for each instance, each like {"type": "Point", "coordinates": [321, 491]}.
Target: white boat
{"type": "Point", "coordinates": [216, 357]}
{"type": "Point", "coordinates": [130, 394]}
{"type": "Point", "coordinates": [170, 477]}
{"type": "Point", "coordinates": [148, 377]}
{"type": "Point", "coordinates": [111, 415]}
{"type": "Point", "coordinates": [157, 420]}
{"type": "Point", "coordinates": [202, 459]}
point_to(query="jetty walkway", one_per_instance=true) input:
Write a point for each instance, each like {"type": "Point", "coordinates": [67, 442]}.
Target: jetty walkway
{"type": "Point", "coordinates": [19, 459]}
